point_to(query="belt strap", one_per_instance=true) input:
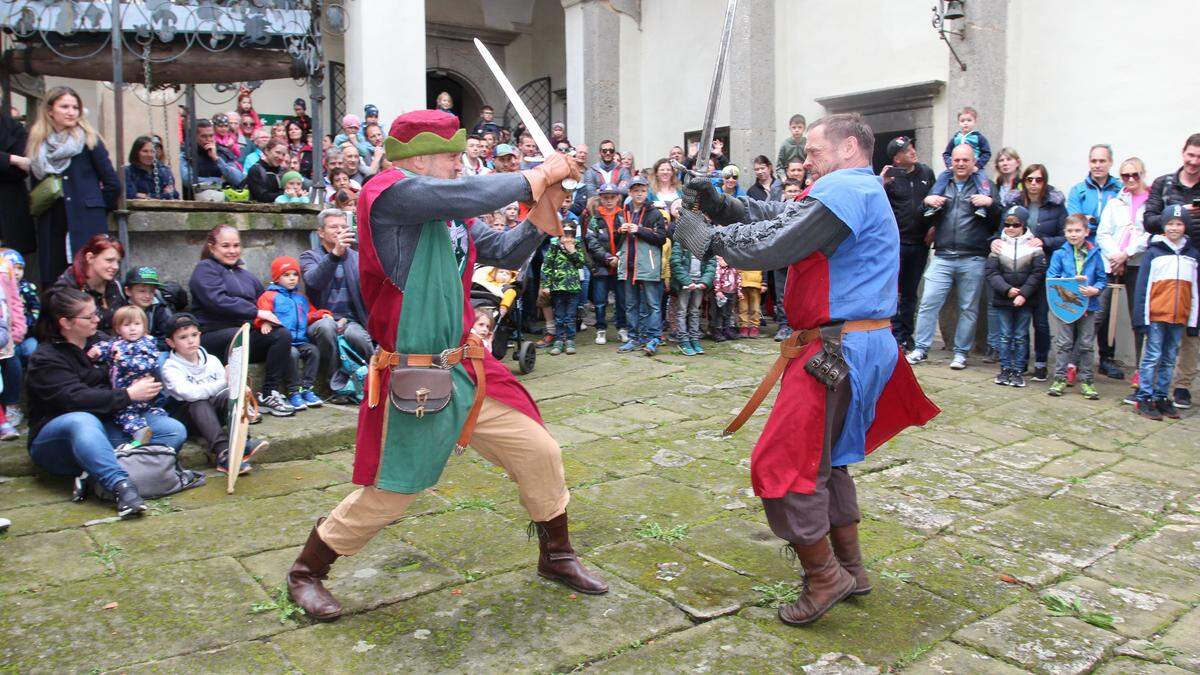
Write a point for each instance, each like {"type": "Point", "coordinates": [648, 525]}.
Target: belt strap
{"type": "Point", "coordinates": [474, 351]}
{"type": "Point", "coordinates": [788, 350]}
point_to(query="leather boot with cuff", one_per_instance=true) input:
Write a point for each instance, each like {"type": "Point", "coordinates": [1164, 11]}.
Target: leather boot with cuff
{"type": "Point", "coordinates": [826, 583]}
{"type": "Point", "coordinates": [305, 577]}
{"type": "Point", "coordinates": [845, 547]}
{"type": "Point", "coordinates": [557, 560]}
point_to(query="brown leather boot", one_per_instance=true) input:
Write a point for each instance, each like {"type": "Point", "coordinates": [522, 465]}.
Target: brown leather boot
{"type": "Point", "coordinates": [305, 577]}
{"type": "Point", "coordinates": [825, 584]}
{"type": "Point", "coordinates": [557, 560]}
{"type": "Point", "coordinates": [845, 547]}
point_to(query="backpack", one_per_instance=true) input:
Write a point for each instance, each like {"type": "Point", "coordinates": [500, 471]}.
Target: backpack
{"type": "Point", "coordinates": [354, 367]}
{"type": "Point", "coordinates": [174, 295]}
{"type": "Point", "coordinates": [153, 469]}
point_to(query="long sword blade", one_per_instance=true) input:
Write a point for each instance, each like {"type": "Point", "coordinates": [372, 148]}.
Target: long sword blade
{"type": "Point", "coordinates": [714, 92]}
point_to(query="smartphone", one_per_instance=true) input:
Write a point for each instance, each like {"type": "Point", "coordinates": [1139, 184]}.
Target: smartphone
{"type": "Point", "coordinates": [1196, 203]}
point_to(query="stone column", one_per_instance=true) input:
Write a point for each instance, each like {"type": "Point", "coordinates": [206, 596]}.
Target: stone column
{"type": "Point", "coordinates": [593, 66]}
{"type": "Point", "coordinates": [385, 58]}
{"type": "Point", "coordinates": [750, 77]}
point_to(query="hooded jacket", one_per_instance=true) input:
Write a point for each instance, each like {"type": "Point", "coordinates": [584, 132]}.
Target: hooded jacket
{"type": "Point", "coordinates": [292, 309]}
{"type": "Point", "coordinates": [681, 269]}
{"type": "Point", "coordinates": [640, 256]}
{"type": "Point", "coordinates": [1018, 265]}
{"type": "Point", "coordinates": [61, 379]}
{"type": "Point", "coordinates": [1088, 198]}
{"type": "Point", "coordinates": [187, 381]}
{"type": "Point", "coordinates": [1062, 266]}
{"type": "Point", "coordinates": [1167, 285]}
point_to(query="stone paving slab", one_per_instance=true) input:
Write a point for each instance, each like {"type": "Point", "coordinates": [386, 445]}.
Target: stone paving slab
{"type": "Point", "coordinates": [1080, 464]}
{"type": "Point", "coordinates": [1180, 640]}
{"type": "Point", "coordinates": [654, 500]}
{"type": "Point", "coordinates": [37, 560]}
{"type": "Point", "coordinates": [506, 547]}
{"type": "Point", "coordinates": [244, 657]}
{"type": "Point", "coordinates": [1146, 572]}
{"type": "Point", "coordinates": [1121, 491]}
{"type": "Point", "coordinates": [32, 491]}
{"type": "Point", "coordinates": [728, 645]}
{"type": "Point", "coordinates": [1135, 613]}
{"type": "Point", "coordinates": [948, 658]}
{"type": "Point", "coordinates": [512, 622]}
{"type": "Point", "coordinates": [1028, 635]}
{"type": "Point", "coordinates": [1129, 666]}
{"type": "Point", "coordinates": [161, 611]}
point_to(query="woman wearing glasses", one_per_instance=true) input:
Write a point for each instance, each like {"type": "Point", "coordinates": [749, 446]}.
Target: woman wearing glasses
{"type": "Point", "coordinates": [1047, 216]}
{"type": "Point", "coordinates": [72, 402]}
{"type": "Point", "coordinates": [1122, 237]}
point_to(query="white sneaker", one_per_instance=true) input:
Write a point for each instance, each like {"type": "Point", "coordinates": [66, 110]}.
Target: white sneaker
{"type": "Point", "coordinates": [916, 356]}
{"type": "Point", "coordinates": [601, 337]}
{"type": "Point", "coordinates": [624, 335]}
{"type": "Point", "coordinates": [959, 362]}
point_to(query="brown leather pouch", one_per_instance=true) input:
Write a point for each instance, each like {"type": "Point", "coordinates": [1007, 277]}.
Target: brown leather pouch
{"type": "Point", "coordinates": [420, 390]}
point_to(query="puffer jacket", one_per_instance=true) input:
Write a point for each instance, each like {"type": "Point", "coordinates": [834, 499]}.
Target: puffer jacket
{"type": "Point", "coordinates": [1051, 218]}
{"type": "Point", "coordinates": [1062, 266]}
{"type": "Point", "coordinates": [1121, 230]}
{"type": "Point", "coordinates": [604, 240]}
{"type": "Point", "coordinates": [1167, 190]}
{"type": "Point", "coordinates": [1167, 285]}
{"type": "Point", "coordinates": [1018, 265]}
{"type": "Point", "coordinates": [292, 309]}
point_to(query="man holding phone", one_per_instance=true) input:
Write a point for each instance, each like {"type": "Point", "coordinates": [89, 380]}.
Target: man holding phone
{"type": "Point", "coordinates": [907, 182]}
{"type": "Point", "coordinates": [1181, 187]}
{"type": "Point", "coordinates": [330, 273]}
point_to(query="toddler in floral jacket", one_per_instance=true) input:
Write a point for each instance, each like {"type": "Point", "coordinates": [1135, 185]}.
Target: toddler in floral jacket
{"type": "Point", "coordinates": [132, 356]}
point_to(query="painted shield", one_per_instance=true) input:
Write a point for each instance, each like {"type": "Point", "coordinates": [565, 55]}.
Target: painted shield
{"type": "Point", "coordinates": [1067, 303]}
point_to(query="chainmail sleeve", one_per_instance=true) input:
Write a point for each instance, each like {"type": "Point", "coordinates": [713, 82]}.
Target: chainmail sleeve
{"type": "Point", "coordinates": [795, 231]}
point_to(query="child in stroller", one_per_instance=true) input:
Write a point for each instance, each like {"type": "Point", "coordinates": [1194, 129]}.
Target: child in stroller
{"type": "Point", "coordinates": [498, 291]}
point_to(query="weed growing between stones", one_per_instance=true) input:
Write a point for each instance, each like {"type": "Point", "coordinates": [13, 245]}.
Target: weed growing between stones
{"type": "Point", "coordinates": [656, 531]}
{"type": "Point", "coordinates": [898, 576]}
{"type": "Point", "coordinates": [472, 575]}
{"type": "Point", "coordinates": [107, 555]}
{"type": "Point", "coordinates": [777, 594]}
{"type": "Point", "coordinates": [474, 504]}
{"type": "Point", "coordinates": [280, 601]}
{"type": "Point", "coordinates": [163, 506]}
{"type": "Point", "coordinates": [1166, 653]}
{"type": "Point", "coordinates": [1060, 606]}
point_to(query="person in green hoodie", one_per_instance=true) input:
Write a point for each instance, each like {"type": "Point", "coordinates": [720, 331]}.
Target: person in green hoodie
{"type": "Point", "coordinates": [691, 278]}
{"type": "Point", "coordinates": [560, 276]}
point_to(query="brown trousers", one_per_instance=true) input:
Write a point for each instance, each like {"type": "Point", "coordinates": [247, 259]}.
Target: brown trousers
{"type": "Point", "coordinates": [806, 518]}
{"type": "Point", "coordinates": [505, 437]}
{"type": "Point", "coordinates": [1186, 362]}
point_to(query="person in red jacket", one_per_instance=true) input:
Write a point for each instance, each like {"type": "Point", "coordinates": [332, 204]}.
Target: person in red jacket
{"type": "Point", "coordinates": [295, 313]}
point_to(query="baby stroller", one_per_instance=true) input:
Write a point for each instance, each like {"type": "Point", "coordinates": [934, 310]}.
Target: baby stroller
{"type": "Point", "coordinates": [487, 292]}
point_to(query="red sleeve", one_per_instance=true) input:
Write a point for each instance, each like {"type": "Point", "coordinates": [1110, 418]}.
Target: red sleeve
{"type": "Point", "coordinates": [265, 301]}
{"type": "Point", "coordinates": [315, 314]}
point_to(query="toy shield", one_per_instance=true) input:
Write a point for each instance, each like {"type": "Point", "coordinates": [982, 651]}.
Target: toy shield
{"type": "Point", "coordinates": [1067, 303]}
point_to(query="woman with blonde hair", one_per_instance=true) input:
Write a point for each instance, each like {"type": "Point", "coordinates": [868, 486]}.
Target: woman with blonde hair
{"type": "Point", "coordinates": [75, 184]}
{"type": "Point", "coordinates": [1008, 172]}
{"type": "Point", "coordinates": [664, 184]}
{"type": "Point", "coordinates": [1122, 238]}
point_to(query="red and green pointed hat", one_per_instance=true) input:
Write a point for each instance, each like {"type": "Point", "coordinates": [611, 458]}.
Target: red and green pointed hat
{"type": "Point", "coordinates": [424, 132]}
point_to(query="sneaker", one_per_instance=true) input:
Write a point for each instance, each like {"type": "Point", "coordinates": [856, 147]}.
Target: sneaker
{"type": "Point", "coordinates": [1167, 408]}
{"type": "Point", "coordinates": [1016, 379]}
{"type": "Point", "coordinates": [1072, 374]}
{"type": "Point", "coordinates": [1131, 399]}
{"type": "Point", "coordinates": [623, 333]}
{"type": "Point", "coordinates": [916, 356]}
{"type": "Point", "coordinates": [629, 346]}
{"type": "Point", "coordinates": [696, 347]}
{"type": "Point", "coordinates": [783, 333]}
{"type": "Point", "coordinates": [1039, 373]}
{"type": "Point", "coordinates": [296, 400]}
{"type": "Point", "coordinates": [8, 432]}
{"type": "Point", "coordinates": [1111, 370]}
{"type": "Point", "coordinates": [129, 503]}
{"type": "Point", "coordinates": [1146, 408]}
{"type": "Point", "coordinates": [959, 362]}
{"type": "Point", "coordinates": [601, 336]}
{"type": "Point", "coordinates": [311, 399]}
{"type": "Point", "coordinates": [1089, 391]}
{"type": "Point", "coordinates": [253, 447]}
{"type": "Point", "coordinates": [545, 341]}
{"type": "Point", "coordinates": [719, 336]}
{"type": "Point", "coordinates": [992, 356]}
{"type": "Point", "coordinates": [557, 348]}
{"type": "Point", "coordinates": [1057, 388]}
{"type": "Point", "coordinates": [1182, 398]}
{"type": "Point", "coordinates": [1002, 378]}
{"type": "Point", "coordinates": [685, 348]}
{"type": "Point", "coordinates": [141, 436]}
{"type": "Point", "coordinates": [253, 415]}
{"type": "Point", "coordinates": [276, 404]}
{"type": "Point", "coordinates": [223, 464]}
{"type": "Point", "coordinates": [15, 416]}
{"type": "Point", "coordinates": [651, 347]}
{"type": "Point", "coordinates": [570, 347]}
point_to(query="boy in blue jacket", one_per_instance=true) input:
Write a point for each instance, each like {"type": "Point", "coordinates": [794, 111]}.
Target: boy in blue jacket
{"type": "Point", "coordinates": [294, 313]}
{"type": "Point", "coordinates": [1077, 259]}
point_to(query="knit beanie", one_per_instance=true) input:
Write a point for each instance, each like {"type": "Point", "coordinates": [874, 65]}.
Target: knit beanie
{"type": "Point", "coordinates": [283, 264]}
{"type": "Point", "coordinates": [292, 175]}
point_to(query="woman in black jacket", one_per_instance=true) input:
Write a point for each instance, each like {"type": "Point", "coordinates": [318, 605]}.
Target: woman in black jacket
{"type": "Point", "coordinates": [16, 227]}
{"type": "Point", "coordinates": [225, 296]}
{"type": "Point", "coordinates": [72, 403]}
{"type": "Point", "coordinates": [263, 177]}
{"type": "Point", "coordinates": [63, 143]}
{"type": "Point", "coordinates": [95, 273]}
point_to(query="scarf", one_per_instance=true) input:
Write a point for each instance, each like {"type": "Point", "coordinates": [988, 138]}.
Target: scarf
{"type": "Point", "coordinates": [55, 153]}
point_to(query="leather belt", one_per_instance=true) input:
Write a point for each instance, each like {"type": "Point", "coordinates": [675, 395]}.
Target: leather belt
{"type": "Point", "coordinates": [473, 351]}
{"type": "Point", "coordinates": [788, 350]}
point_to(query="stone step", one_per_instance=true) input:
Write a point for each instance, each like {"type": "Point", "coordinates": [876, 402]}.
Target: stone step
{"type": "Point", "coordinates": [307, 434]}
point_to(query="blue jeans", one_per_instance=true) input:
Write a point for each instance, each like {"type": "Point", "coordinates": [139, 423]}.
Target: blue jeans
{"type": "Point", "coordinates": [566, 304]}
{"type": "Point", "coordinates": [1158, 359]}
{"type": "Point", "coordinates": [25, 348]}
{"type": "Point", "coordinates": [965, 274]}
{"type": "Point", "coordinates": [1041, 327]}
{"type": "Point", "coordinates": [1013, 327]}
{"type": "Point", "coordinates": [993, 323]}
{"type": "Point", "coordinates": [585, 282]}
{"type": "Point", "coordinates": [643, 307]}
{"type": "Point", "coordinates": [76, 442]}
{"type": "Point", "coordinates": [943, 181]}
{"type": "Point", "coordinates": [601, 285]}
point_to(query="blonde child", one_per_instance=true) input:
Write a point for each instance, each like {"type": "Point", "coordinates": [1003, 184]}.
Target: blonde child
{"type": "Point", "coordinates": [132, 356]}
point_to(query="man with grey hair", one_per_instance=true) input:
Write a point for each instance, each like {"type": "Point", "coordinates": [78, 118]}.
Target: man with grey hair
{"type": "Point", "coordinates": [842, 247]}
{"type": "Point", "coordinates": [330, 274]}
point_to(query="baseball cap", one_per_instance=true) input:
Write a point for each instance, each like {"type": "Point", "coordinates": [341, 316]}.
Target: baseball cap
{"type": "Point", "coordinates": [370, 110]}
{"type": "Point", "coordinates": [505, 149]}
{"type": "Point", "coordinates": [609, 189]}
{"type": "Point", "coordinates": [639, 180]}
{"type": "Point", "coordinates": [180, 321]}
{"type": "Point", "coordinates": [142, 275]}
{"type": "Point", "coordinates": [898, 144]}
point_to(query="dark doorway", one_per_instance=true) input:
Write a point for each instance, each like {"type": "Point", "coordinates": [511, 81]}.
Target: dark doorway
{"type": "Point", "coordinates": [466, 100]}
{"type": "Point", "coordinates": [881, 159]}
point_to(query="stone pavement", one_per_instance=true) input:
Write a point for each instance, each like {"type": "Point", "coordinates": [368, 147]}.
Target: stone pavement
{"type": "Point", "coordinates": [1015, 533]}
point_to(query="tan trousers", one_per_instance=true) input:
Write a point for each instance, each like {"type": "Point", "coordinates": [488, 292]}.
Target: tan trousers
{"type": "Point", "coordinates": [750, 308]}
{"type": "Point", "coordinates": [505, 437]}
{"type": "Point", "coordinates": [1185, 363]}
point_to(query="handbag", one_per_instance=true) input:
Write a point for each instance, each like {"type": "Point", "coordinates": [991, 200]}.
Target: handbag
{"type": "Point", "coordinates": [418, 390]}
{"type": "Point", "coordinates": [44, 194]}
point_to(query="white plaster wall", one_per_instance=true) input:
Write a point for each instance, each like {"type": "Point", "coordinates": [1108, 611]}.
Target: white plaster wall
{"type": "Point", "coordinates": [539, 51]}
{"type": "Point", "coordinates": [1124, 74]}
{"type": "Point", "coordinates": [633, 81]}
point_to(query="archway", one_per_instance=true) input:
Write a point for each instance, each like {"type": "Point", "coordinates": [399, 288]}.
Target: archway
{"type": "Point", "coordinates": [467, 100]}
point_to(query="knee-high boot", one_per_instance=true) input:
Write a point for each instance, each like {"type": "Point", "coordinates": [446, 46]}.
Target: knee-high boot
{"type": "Point", "coordinates": [845, 547]}
{"type": "Point", "coordinates": [825, 584]}
{"type": "Point", "coordinates": [557, 560]}
{"type": "Point", "coordinates": [305, 577]}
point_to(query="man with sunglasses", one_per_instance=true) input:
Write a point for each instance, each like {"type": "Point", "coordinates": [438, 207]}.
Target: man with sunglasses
{"type": "Point", "coordinates": [607, 170]}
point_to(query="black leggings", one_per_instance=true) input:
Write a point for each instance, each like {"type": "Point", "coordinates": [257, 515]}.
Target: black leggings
{"type": "Point", "coordinates": [206, 418]}
{"type": "Point", "coordinates": [274, 348]}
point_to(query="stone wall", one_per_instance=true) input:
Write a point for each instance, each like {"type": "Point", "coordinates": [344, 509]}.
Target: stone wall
{"type": "Point", "coordinates": [169, 235]}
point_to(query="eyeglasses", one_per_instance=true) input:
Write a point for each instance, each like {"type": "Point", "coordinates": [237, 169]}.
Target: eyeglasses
{"type": "Point", "coordinates": [93, 316]}
{"type": "Point", "coordinates": [1130, 176]}
{"type": "Point", "coordinates": [1034, 179]}
{"type": "Point", "coordinates": [605, 151]}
